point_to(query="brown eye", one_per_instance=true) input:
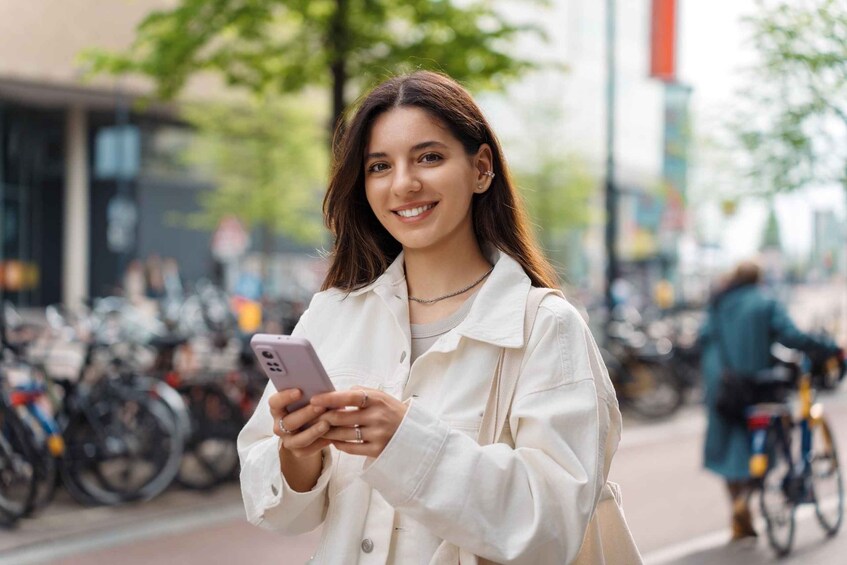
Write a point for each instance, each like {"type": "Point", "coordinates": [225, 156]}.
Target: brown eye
{"type": "Point", "coordinates": [431, 158]}
{"type": "Point", "coordinates": [378, 167]}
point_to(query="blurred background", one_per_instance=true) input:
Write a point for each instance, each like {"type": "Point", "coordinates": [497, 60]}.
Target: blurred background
{"type": "Point", "coordinates": [162, 167]}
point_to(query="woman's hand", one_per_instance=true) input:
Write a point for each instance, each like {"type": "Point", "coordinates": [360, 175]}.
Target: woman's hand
{"type": "Point", "coordinates": [366, 430]}
{"type": "Point", "coordinates": [305, 443]}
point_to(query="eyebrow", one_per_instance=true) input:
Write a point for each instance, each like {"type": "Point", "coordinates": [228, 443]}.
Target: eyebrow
{"type": "Point", "coordinates": [418, 147]}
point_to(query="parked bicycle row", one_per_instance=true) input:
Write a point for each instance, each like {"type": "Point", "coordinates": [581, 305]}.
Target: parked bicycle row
{"type": "Point", "coordinates": [116, 404]}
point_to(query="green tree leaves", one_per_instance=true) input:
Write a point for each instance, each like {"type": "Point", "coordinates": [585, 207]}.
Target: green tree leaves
{"type": "Point", "coordinates": [268, 160]}
{"type": "Point", "coordinates": [284, 46]}
{"type": "Point", "coordinates": [793, 127]}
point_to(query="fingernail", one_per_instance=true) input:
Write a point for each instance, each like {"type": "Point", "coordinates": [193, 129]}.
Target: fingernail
{"type": "Point", "coordinates": [319, 409]}
{"type": "Point", "coordinates": [324, 427]}
{"type": "Point", "coordinates": [297, 393]}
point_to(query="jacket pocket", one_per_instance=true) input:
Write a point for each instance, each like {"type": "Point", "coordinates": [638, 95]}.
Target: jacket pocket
{"type": "Point", "coordinates": [468, 427]}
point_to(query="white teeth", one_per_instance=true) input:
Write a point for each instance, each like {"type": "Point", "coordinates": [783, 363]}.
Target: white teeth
{"type": "Point", "coordinates": [411, 213]}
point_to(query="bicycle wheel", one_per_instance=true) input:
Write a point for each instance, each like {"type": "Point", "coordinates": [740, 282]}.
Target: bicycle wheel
{"type": "Point", "coordinates": [18, 476]}
{"type": "Point", "coordinates": [776, 501]}
{"type": "Point", "coordinates": [120, 447]}
{"type": "Point", "coordinates": [211, 456]}
{"type": "Point", "coordinates": [827, 485]}
{"type": "Point", "coordinates": [652, 390]}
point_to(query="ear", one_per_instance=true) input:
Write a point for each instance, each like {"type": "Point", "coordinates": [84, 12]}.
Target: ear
{"type": "Point", "coordinates": [483, 163]}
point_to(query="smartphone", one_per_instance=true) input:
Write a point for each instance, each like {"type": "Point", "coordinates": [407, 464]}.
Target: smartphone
{"type": "Point", "coordinates": [291, 362]}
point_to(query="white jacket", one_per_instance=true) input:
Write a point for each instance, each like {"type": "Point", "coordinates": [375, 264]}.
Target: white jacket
{"type": "Point", "coordinates": [433, 482]}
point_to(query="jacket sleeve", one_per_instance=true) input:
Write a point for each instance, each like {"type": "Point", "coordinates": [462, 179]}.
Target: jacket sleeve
{"type": "Point", "coordinates": [269, 501]}
{"type": "Point", "coordinates": [786, 333]}
{"type": "Point", "coordinates": [527, 504]}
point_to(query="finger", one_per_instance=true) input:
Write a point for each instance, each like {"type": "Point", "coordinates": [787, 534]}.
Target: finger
{"type": "Point", "coordinates": [346, 434]}
{"type": "Point", "coordinates": [278, 401]}
{"type": "Point", "coordinates": [299, 418]}
{"type": "Point", "coordinates": [367, 449]}
{"type": "Point", "coordinates": [343, 399]}
{"type": "Point", "coordinates": [344, 418]}
{"type": "Point", "coordinates": [313, 448]}
{"type": "Point", "coordinates": [310, 449]}
{"type": "Point", "coordinates": [306, 437]}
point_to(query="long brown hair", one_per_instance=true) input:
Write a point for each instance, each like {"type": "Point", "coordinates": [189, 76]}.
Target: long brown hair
{"type": "Point", "coordinates": [363, 248]}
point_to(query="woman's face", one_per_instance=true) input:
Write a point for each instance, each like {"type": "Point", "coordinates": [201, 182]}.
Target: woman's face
{"type": "Point", "coordinates": [419, 180]}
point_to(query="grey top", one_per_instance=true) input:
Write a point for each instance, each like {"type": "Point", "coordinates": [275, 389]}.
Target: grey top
{"type": "Point", "coordinates": [425, 335]}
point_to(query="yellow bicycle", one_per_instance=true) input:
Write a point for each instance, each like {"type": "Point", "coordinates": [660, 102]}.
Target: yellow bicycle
{"type": "Point", "coordinates": [795, 460]}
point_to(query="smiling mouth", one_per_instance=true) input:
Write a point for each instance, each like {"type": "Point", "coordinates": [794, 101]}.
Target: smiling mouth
{"type": "Point", "coordinates": [414, 212]}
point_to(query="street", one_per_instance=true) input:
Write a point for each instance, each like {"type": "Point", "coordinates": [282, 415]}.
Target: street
{"type": "Point", "coordinates": [678, 514]}
{"type": "Point", "coordinates": [180, 177]}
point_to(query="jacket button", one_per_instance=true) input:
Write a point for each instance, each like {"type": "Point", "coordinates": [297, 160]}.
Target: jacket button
{"type": "Point", "coordinates": [367, 545]}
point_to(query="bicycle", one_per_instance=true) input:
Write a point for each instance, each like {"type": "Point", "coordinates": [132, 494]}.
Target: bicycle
{"type": "Point", "coordinates": [120, 439]}
{"type": "Point", "coordinates": [39, 427]}
{"type": "Point", "coordinates": [18, 475]}
{"type": "Point", "coordinates": [640, 368]}
{"type": "Point", "coordinates": [789, 475]}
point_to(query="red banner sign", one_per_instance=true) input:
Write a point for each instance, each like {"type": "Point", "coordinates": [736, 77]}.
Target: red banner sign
{"type": "Point", "coordinates": [663, 41]}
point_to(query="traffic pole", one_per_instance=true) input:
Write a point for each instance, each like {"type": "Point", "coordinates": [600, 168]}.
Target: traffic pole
{"type": "Point", "coordinates": [611, 190]}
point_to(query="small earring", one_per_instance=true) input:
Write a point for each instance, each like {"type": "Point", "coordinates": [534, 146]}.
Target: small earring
{"type": "Point", "coordinates": [489, 174]}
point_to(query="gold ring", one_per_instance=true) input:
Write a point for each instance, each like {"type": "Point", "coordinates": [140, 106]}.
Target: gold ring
{"type": "Point", "coordinates": [364, 400]}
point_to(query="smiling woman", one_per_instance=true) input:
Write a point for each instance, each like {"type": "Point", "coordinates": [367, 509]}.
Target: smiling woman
{"type": "Point", "coordinates": [429, 305]}
{"type": "Point", "coordinates": [437, 124]}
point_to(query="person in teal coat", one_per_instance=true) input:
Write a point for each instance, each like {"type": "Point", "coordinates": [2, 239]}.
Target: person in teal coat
{"type": "Point", "coordinates": [747, 322]}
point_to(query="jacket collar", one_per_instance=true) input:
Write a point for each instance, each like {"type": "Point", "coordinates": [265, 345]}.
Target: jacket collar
{"type": "Point", "coordinates": [497, 314]}
{"type": "Point", "coordinates": [391, 278]}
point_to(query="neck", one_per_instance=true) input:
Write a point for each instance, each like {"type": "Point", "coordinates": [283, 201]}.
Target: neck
{"type": "Point", "coordinates": [432, 273]}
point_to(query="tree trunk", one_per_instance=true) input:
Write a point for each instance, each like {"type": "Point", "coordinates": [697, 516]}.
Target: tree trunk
{"type": "Point", "coordinates": [338, 66]}
{"type": "Point", "coordinates": [339, 79]}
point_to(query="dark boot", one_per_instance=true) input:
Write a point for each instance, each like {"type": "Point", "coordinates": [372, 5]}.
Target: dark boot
{"type": "Point", "coordinates": [742, 521]}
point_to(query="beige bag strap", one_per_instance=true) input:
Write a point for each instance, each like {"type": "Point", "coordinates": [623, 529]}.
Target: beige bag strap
{"type": "Point", "coordinates": [494, 419]}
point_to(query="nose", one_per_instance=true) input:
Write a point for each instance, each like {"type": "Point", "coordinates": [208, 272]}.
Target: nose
{"type": "Point", "coordinates": [405, 181]}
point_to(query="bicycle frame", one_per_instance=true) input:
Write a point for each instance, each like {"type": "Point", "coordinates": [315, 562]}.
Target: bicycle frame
{"type": "Point", "coordinates": [777, 418]}
{"type": "Point", "coordinates": [26, 396]}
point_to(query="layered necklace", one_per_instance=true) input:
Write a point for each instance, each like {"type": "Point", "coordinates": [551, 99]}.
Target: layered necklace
{"type": "Point", "coordinates": [452, 294]}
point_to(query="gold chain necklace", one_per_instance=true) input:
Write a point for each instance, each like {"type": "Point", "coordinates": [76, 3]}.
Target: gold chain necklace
{"type": "Point", "coordinates": [452, 294]}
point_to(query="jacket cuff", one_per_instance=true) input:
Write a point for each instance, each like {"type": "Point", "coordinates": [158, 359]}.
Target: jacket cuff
{"type": "Point", "coordinates": [263, 504]}
{"type": "Point", "coordinates": [409, 456]}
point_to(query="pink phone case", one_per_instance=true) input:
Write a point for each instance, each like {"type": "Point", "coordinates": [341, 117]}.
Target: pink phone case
{"type": "Point", "coordinates": [291, 362]}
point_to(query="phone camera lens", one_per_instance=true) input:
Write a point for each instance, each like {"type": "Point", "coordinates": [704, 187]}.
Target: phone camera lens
{"type": "Point", "coordinates": [267, 355]}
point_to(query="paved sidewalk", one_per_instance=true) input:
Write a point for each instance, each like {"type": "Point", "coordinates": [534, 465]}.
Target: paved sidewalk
{"type": "Point", "coordinates": [65, 527]}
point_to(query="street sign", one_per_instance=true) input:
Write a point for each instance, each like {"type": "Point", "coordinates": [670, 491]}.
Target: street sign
{"type": "Point", "coordinates": [230, 239]}
{"type": "Point", "coordinates": [121, 219]}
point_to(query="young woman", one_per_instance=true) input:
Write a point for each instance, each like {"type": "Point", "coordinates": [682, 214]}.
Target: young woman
{"type": "Point", "coordinates": [431, 268]}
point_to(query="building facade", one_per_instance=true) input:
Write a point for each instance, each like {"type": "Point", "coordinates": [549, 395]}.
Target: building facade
{"type": "Point", "coordinates": [89, 182]}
